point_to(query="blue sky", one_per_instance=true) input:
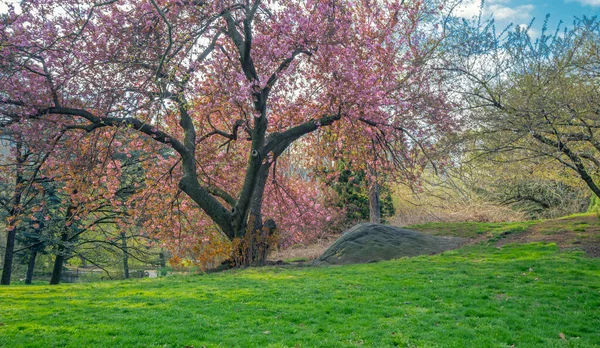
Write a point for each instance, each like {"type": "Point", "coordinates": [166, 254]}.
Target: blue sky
{"type": "Point", "coordinates": [520, 12]}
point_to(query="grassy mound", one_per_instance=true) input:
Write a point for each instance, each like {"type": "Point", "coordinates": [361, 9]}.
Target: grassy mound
{"type": "Point", "coordinates": [575, 232]}
{"type": "Point", "coordinates": [531, 295]}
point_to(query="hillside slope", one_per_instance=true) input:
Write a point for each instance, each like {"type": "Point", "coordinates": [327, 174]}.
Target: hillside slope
{"type": "Point", "coordinates": [531, 295]}
{"type": "Point", "coordinates": [575, 232]}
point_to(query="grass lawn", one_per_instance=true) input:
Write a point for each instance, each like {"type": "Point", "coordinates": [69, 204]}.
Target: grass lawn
{"type": "Point", "coordinates": [530, 295]}
{"type": "Point", "coordinates": [490, 230]}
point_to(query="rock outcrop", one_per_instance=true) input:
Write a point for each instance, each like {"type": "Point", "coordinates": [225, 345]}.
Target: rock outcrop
{"type": "Point", "coordinates": [373, 242]}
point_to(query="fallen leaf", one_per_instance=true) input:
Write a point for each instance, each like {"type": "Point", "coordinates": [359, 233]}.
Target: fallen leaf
{"type": "Point", "coordinates": [267, 332]}
{"type": "Point", "coordinates": [562, 336]}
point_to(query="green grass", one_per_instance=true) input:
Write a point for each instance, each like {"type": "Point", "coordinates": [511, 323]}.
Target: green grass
{"type": "Point", "coordinates": [474, 229]}
{"type": "Point", "coordinates": [296, 259]}
{"type": "Point", "coordinates": [478, 296]}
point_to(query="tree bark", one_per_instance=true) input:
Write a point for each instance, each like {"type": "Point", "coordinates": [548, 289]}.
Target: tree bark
{"type": "Point", "coordinates": [8, 255]}
{"type": "Point", "coordinates": [125, 255]}
{"type": "Point", "coordinates": [57, 269]}
{"type": "Point", "coordinates": [374, 199]}
{"type": "Point", "coordinates": [59, 260]}
{"type": "Point", "coordinates": [258, 196]}
{"type": "Point", "coordinates": [15, 210]}
{"type": "Point", "coordinates": [374, 204]}
{"type": "Point", "coordinates": [162, 259]}
{"type": "Point", "coordinates": [258, 246]}
{"type": "Point", "coordinates": [30, 266]}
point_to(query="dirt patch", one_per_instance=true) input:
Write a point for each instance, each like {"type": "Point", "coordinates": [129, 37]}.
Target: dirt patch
{"type": "Point", "coordinates": [572, 233]}
{"type": "Point", "coordinates": [300, 254]}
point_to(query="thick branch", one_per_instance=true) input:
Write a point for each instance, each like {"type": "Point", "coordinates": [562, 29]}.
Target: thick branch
{"type": "Point", "coordinates": [278, 142]}
{"type": "Point", "coordinates": [213, 208]}
{"type": "Point", "coordinates": [575, 159]}
{"type": "Point", "coordinates": [215, 191]}
{"type": "Point", "coordinates": [242, 46]}
{"type": "Point", "coordinates": [283, 66]}
{"type": "Point", "coordinates": [134, 123]}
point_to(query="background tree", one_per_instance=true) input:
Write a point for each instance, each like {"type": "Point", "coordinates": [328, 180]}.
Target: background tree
{"type": "Point", "coordinates": [353, 194]}
{"type": "Point", "coordinates": [21, 181]}
{"type": "Point", "coordinates": [532, 98]}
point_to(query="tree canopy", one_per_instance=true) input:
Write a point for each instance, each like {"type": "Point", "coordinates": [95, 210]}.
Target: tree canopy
{"type": "Point", "coordinates": [225, 88]}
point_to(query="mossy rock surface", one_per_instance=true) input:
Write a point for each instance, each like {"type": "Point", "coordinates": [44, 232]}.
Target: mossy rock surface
{"type": "Point", "coordinates": [374, 242]}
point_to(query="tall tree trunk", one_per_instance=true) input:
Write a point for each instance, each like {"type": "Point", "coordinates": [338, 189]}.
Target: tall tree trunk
{"type": "Point", "coordinates": [374, 199]}
{"type": "Point", "coordinates": [33, 252]}
{"type": "Point", "coordinates": [14, 212]}
{"type": "Point", "coordinates": [374, 204]}
{"type": "Point", "coordinates": [31, 266]}
{"type": "Point", "coordinates": [254, 245]}
{"type": "Point", "coordinates": [162, 260]}
{"type": "Point", "coordinates": [59, 260]}
{"type": "Point", "coordinates": [57, 269]}
{"type": "Point", "coordinates": [8, 255]}
{"type": "Point", "coordinates": [125, 255]}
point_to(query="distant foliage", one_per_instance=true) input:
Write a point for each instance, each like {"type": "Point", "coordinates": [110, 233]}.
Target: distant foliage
{"type": "Point", "coordinates": [352, 194]}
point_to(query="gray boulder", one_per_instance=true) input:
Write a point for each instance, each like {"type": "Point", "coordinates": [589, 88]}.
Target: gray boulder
{"type": "Point", "coordinates": [373, 242]}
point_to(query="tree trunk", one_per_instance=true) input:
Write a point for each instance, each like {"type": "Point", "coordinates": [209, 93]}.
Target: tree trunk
{"type": "Point", "coordinates": [57, 270]}
{"type": "Point", "coordinates": [31, 266]}
{"type": "Point", "coordinates": [252, 249]}
{"type": "Point", "coordinates": [8, 255]}
{"type": "Point", "coordinates": [259, 245]}
{"type": "Point", "coordinates": [162, 260]}
{"type": "Point", "coordinates": [374, 204]}
{"type": "Point", "coordinates": [125, 255]}
{"type": "Point", "coordinates": [374, 199]}
{"type": "Point", "coordinates": [14, 212]}
{"type": "Point", "coordinates": [59, 260]}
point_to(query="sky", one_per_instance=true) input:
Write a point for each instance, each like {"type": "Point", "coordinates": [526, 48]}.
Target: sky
{"type": "Point", "coordinates": [520, 12]}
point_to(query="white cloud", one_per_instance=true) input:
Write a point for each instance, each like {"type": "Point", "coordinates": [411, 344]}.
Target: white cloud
{"type": "Point", "coordinates": [587, 2]}
{"type": "Point", "coordinates": [468, 9]}
{"type": "Point", "coordinates": [500, 9]}
{"type": "Point", "coordinates": [533, 33]}
{"type": "Point", "coordinates": [512, 14]}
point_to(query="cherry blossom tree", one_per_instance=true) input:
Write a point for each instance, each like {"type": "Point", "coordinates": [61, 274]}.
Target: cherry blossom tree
{"type": "Point", "coordinates": [228, 86]}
